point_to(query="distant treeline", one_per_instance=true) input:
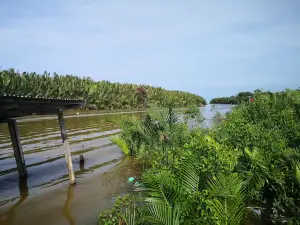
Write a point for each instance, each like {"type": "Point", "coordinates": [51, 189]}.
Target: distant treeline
{"type": "Point", "coordinates": [237, 99]}
{"type": "Point", "coordinates": [98, 94]}
{"type": "Point", "coordinates": [244, 96]}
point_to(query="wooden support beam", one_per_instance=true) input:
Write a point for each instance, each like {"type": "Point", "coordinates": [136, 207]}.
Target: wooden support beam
{"type": "Point", "coordinates": [18, 153]}
{"type": "Point", "coordinates": [66, 145]}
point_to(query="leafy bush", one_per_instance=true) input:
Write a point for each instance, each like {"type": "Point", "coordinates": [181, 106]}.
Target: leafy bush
{"type": "Point", "coordinates": [116, 214]}
{"type": "Point", "coordinates": [245, 167]}
{"type": "Point", "coordinates": [267, 133]}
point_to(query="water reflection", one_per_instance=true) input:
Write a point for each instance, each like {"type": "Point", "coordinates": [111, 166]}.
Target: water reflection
{"type": "Point", "coordinates": [67, 206]}
{"type": "Point", "coordinates": [9, 216]}
{"type": "Point", "coordinates": [41, 142]}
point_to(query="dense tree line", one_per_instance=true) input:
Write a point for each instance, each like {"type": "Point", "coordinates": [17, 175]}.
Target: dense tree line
{"type": "Point", "coordinates": [237, 99]}
{"type": "Point", "coordinates": [98, 94]}
{"type": "Point", "coordinates": [244, 97]}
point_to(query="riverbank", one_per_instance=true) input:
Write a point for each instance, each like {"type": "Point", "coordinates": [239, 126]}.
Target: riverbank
{"type": "Point", "coordinates": [245, 169]}
{"type": "Point", "coordinates": [88, 135]}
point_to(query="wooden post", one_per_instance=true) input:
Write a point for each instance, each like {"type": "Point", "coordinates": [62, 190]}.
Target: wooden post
{"type": "Point", "coordinates": [18, 153]}
{"type": "Point", "coordinates": [81, 159]}
{"type": "Point", "coordinates": [66, 145]}
{"type": "Point", "coordinates": [81, 162]}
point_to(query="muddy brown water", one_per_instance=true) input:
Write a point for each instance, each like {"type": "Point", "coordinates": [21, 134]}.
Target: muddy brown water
{"type": "Point", "coordinates": [45, 197]}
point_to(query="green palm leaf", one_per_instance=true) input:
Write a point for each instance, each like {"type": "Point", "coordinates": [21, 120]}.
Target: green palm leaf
{"type": "Point", "coordinates": [161, 214]}
{"type": "Point", "coordinates": [228, 196]}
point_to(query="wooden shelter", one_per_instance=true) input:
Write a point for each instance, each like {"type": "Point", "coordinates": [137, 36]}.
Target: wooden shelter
{"type": "Point", "coordinates": [12, 107]}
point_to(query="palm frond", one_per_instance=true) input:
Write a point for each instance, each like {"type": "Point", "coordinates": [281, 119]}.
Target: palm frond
{"type": "Point", "coordinates": [129, 216]}
{"type": "Point", "coordinates": [297, 167]}
{"type": "Point", "coordinates": [121, 143]}
{"type": "Point", "coordinates": [189, 178]}
{"type": "Point", "coordinates": [159, 188]}
{"type": "Point", "coordinates": [228, 197]}
{"type": "Point", "coordinates": [161, 214]}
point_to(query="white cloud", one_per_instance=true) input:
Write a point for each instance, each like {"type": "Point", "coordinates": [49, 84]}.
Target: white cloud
{"type": "Point", "coordinates": [164, 40]}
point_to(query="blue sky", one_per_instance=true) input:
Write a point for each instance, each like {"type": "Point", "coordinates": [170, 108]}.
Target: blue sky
{"type": "Point", "coordinates": [211, 48]}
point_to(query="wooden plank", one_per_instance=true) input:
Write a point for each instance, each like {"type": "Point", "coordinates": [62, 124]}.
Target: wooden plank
{"type": "Point", "coordinates": [18, 153]}
{"type": "Point", "coordinates": [66, 146]}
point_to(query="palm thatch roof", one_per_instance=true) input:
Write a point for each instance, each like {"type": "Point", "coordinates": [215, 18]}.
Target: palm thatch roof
{"type": "Point", "coordinates": [12, 106]}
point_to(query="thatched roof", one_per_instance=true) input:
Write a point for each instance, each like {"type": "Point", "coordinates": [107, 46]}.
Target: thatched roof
{"type": "Point", "coordinates": [12, 106]}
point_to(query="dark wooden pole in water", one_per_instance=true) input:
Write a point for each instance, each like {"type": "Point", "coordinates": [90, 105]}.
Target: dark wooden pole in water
{"type": "Point", "coordinates": [18, 153]}
{"type": "Point", "coordinates": [66, 145]}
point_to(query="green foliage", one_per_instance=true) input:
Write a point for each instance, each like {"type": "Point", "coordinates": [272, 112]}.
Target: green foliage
{"type": "Point", "coordinates": [267, 133]}
{"type": "Point", "coordinates": [246, 167]}
{"type": "Point", "coordinates": [119, 213]}
{"type": "Point", "coordinates": [241, 97]}
{"type": "Point", "coordinates": [157, 136]}
{"type": "Point", "coordinates": [212, 157]}
{"type": "Point", "coordinates": [98, 94]}
{"type": "Point", "coordinates": [121, 143]}
{"type": "Point", "coordinates": [228, 203]}
{"type": "Point", "coordinates": [193, 116]}
{"type": "Point", "coordinates": [169, 199]}
{"type": "Point", "coordinates": [217, 116]}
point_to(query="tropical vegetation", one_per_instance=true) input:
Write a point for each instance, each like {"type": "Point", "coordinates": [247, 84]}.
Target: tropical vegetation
{"type": "Point", "coordinates": [97, 94]}
{"type": "Point", "coordinates": [245, 169]}
{"type": "Point", "coordinates": [237, 99]}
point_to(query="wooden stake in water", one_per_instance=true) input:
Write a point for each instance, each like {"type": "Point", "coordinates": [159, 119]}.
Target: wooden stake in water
{"type": "Point", "coordinates": [18, 153]}
{"type": "Point", "coordinates": [81, 159]}
{"type": "Point", "coordinates": [66, 146]}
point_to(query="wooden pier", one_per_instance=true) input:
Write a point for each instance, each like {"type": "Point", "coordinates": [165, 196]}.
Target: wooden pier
{"type": "Point", "coordinates": [12, 107]}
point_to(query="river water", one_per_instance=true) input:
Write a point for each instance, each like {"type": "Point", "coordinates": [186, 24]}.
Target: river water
{"type": "Point", "coordinates": [45, 197]}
